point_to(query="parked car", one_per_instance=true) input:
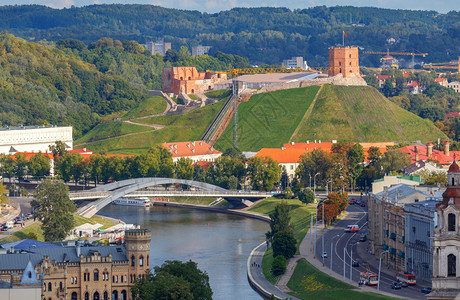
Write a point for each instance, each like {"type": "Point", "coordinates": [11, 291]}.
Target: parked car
{"type": "Point", "coordinates": [4, 228]}
{"type": "Point", "coordinates": [18, 220]}
{"type": "Point", "coordinates": [355, 263]}
{"type": "Point", "coordinates": [426, 290]}
{"type": "Point", "coordinates": [396, 285]}
{"type": "Point", "coordinates": [363, 204]}
{"type": "Point", "coordinates": [324, 254]}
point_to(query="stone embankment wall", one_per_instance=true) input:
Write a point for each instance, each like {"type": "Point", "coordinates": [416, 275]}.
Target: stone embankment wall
{"type": "Point", "coordinates": [336, 80]}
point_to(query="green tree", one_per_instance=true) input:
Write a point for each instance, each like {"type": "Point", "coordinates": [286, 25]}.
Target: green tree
{"type": "Point", "coordinates": [58, 149]}
{"type": "Point", "coordinates": [306, 196]}
{"type": "Point", "coordinates": [371, 80]}
{"type": "Point", "coordinates": [95, 167]}
{"type": "Point", "coordinates": [8, 165]}
{"type": "Point", "coordinates": [53, 207]}
{"type": "Point", "coordinates": [39, 165]}
{"type": "Point", "coordinates": [278, 265]}
{"type": "Point", "coordinates": [284, 244]}
{"type": "Point", "coordinates": [279, 221]}
{"type": "Point", "coordinates": [388, 87]}
{"type": "Point", "coordinates": [263, 172]}
{"type": "Point", "coordinates": [3, 195]}
{"type": "Point", "coordinates": [199, 174]}
{"type": "Point", "coordinates": [174, 280]}
{"type": "Point", "coordinates": [184, 168]}
{"type": "Point", "coordinates": [20, 166]}
{"type": "Point", "coordinates": [315, 162]}
{"type": "Point", "coordinates": [373, 154]}
{"type": "Point", "coordinates": [70, 165]}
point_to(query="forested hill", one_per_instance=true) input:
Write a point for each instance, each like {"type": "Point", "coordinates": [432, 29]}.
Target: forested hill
{"type": "Point", "coordinates": [264, 35]}
{"type": "Point", "coordinates": [69, 83]}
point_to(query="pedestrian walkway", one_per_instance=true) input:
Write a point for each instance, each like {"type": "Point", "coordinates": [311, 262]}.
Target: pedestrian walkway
{"type": "Point", "coordinates": [256, 276]}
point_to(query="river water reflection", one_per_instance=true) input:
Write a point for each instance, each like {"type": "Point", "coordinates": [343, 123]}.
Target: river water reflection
{"type": "Point", "coordinates": [219, 243]}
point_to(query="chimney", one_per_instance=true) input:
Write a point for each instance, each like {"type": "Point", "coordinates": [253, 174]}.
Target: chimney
{"type": "Point", "coordinates": [193, 144]}
{"type": "Point", "coordinates": [308, 142]}
{"type": "Point", "coordinates": [446, 147]}
{"type": "Point", "coordinates": [282, 148]}
{"type": "Point", "coordinates": [429, 149]}
{"type": "Point", "coordinates": [416, 153]}
{"type": "Point", "coordinates": [188, 145]}
{"type": "Point", "coordinates": [292, 143]}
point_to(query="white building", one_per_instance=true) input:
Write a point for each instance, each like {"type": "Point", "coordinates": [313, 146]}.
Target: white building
{"type": "Point", "coordinates": [380, 185]}
{"type": "Point", "coordinates": [200, 50]}
{"type": "Point", "coordinates": [295, 62]}
{"type": "Point", "coordinates": [158, 47]}
{"type": "Point", "coordinates": [446, 241]}
{"type": "Point", "coordinates": [455, 85]}
{"type": "Point", "coordinates": [33, 138]}
{"type": "Point", "coordinates": [196, 151]}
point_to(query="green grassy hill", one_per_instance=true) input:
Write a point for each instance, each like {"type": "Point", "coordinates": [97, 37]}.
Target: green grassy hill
{"type": "Point", "coordinates": [343, 113]}
{"type": "Point", "coordinates": [362, 114]}
{"type": "Point", "coordinates": [186, 127]}
{"type": "Point", "coordinates": [268, 119]}
{"type": "Point", "coordinates": [149, 106]}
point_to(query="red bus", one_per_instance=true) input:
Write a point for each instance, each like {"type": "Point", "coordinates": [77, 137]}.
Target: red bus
{"type": "Point", "coordinates": [406, 278]}
{"type": "Point", "coordinates": [369, 278]}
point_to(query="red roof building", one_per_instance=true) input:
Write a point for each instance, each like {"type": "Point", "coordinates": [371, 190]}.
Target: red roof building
{"type": "Point", "coordinates": [451, 115]}
{"type": "Point", "coordinates": [196, 151]}
{"type": "Point", "coordinates": [418, 152]}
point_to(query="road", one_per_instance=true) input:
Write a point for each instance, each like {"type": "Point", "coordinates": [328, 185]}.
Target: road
{"type": "Point", "coordinates": [350, 241]}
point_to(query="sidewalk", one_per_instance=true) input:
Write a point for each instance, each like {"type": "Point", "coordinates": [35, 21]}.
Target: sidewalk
{"type": "Point", "coordinates": [256, 277]}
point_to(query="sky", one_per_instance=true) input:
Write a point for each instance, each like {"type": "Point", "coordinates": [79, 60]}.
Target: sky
{"type": "Point", "coordinates": [212, 6]}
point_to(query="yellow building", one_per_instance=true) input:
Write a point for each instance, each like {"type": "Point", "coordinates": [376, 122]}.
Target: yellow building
{"type": "Point", "coordinates": [77, 270]}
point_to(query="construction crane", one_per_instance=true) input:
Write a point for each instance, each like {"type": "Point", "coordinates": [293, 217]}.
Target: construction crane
{"type": "Point", "coordinates": [413, 54]}
{"type": "Point", "coordinates": [448, 65]}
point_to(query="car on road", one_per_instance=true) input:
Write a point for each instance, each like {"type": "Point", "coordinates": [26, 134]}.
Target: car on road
{"type": "Point", "coordinates": [352, 228]}
{"type": "Point", "coordinates": [324, 255]}
{"type": "Point", "coordinates": [362, 238]}
{"type": "Point", "coordinates": [396, 285]}
{"type": "Point", "coordinates": [4, 227]}
{"type": "Point", "coordinates": [355, 263]}
{"type": "Point", "coordinates": [426, 290]}
{"type": "Point", "coordinates": [363, 204]}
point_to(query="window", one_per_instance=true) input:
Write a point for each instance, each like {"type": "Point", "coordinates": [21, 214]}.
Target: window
{"type": "Point", "coordinates": [50, 287]}
{"type": "Point", "coordinates": [451, 265]}
{"type": "Point", "coordinates": [148, 258]}
{"type": "Point", "coordinates": [123, 295]}
{"type": "Point", "coordinates": [74, 296]}
{"type": "Point", "coordinates": [76, 280]}
{"type": "Point", "coordinates": [106, 295]}
{"type": "Point", "coordinates": [349, 55]}
{"type": "Point", "coordinates": [453, 183]}
{"type": "Point", "coordinates": [84, 276]}
{"type": "Point", "coordinates": [86, 296]}
{"type": "Point", "coordinates": [451, 222]}
{"type": "Point", "coordinates": [133, 261]}
{"type": "Point", "coordinates": [413, 229]}
{"type": "Point", "coordinates": [71, 280]}
{"type": "Point", "coordinates": [60, 285]}
{"type": "Point", "coordinates": [30, 274]}
{"type": "Point", "coordinates": [96, 275]}
{"type": "Point", "coordinates": [44, 287]}
{"type": "Point", "coordinates": [115, 295]}
{"type": "Point", "coordinates": [141, 260]}
{"type": "Point", "coordinates": [116, 279]}
{"type": "Point", "coordinates": [96, 295]}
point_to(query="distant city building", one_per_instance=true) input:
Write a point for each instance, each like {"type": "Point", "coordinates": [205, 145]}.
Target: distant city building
{"type": "Point", "coordinates": [260, 80]}
{"type": "Point", "coordinates": [188, 80]}
{"type": "Point", "coordinates": [158, 47]}
{"type": "Point", "coordinates": [441, 81]}
{"type": "Point", "coordinates": [200, 50]}
{"type": "Point", "coordinates": [418, 152]}
{"type": "Point", "coordinates": [382, 79]}
{"type": "Point", "coordinates": [455, 85]}
{"type": "Point", "coordinates": [379, 185]}
{"type": "Point", "coordinates": [33, 138]}
{"type": "Point", "coordinates": [446, 241]}
{"type": "Point", "coordinates": [421, 220]}
{"type": "Point", "coordinates": [387, 222]}
{"type": "Point", "coordinates": [196, 151]}
{"type": "Point", "coordinates": [423, 165]}
{"type": "Point", "coordinates": [295, 63]}
{"type": "Point", "coordinates": [74, 270]}
{"type": "Point", "coordinates": [344, 60]}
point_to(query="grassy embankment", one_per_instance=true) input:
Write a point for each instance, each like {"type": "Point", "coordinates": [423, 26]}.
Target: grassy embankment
{"type": "Point", "coordinates": [218, 94]}
{"type": "Point", "coordinates": [307, 282]}
{"type": "Point", "coordinates": [193, 97]}
{"type": "Point", "coordinates": [150, 106]}
{"type": "Point", "coordinates": [186, 127]}
{"type": "Point", "coordinates": [268, 119]}
{"type": "Point", "coordinates": [36, 229]}
{"type": "Point", "coordinates": [362, 114]}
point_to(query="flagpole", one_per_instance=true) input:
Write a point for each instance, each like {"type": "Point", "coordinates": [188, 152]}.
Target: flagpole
{"type": "Point", "coordinates": [343, 39]}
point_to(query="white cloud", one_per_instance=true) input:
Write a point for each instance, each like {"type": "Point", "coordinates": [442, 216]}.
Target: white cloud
{"type": "Point", "coordinates": [59, 3]}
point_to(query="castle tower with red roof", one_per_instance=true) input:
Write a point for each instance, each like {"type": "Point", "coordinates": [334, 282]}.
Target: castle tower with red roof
{"type": "Point", "coordinates": [446, 240]}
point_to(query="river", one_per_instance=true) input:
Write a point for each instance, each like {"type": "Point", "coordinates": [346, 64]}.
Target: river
{"type": "Point", "coordinates": [219, 243]}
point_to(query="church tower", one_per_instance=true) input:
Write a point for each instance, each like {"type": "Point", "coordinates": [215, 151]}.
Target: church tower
{"type": "Point", "coordinates": [446, 240]}
{"type": "Point", "coordinates": [137, 244]}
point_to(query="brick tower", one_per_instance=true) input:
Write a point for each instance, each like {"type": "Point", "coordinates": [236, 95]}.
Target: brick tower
{"type": "Point", "coordinates": [446, 241]}
{"type": "Point", "coordinates": [137, 243]}
{"type": "Point", "coordinates": [344, 60]}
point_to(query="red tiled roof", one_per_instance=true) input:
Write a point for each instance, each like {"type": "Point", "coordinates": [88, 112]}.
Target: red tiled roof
{"type": "Point", "coordinates": [181, 149]}
{"type": "Point", "coordinates": [451, 114]}
{"type": "Point", "coordinates": [204, 164]}
{"type": "Point", "coordinates": [440, 79]}
{"type": "Point", "coordinates": [283, 155]}
{"type": "Point", "coordinates": [28, 155]}
{"type": "Point", "coordinates": [382, 76]}
{"type": "Point", "coordinates": [413, 83]}
{"type": "Point", "coordinates": [423, 154]}
{"type": "Point", "coordinates": [405, 74]}
{"type": "Point", "coordinates": [81, 151]}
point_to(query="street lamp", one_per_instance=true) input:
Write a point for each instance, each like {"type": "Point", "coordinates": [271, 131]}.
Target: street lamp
{"type": "Point", "coordinates": [332, 240]}
{"type": "Point", "coordinates": [314, 184]}
{"type": "Point", "coordinates": [380, 266]}
{"type": "Point", "coordinates": [351, 260]}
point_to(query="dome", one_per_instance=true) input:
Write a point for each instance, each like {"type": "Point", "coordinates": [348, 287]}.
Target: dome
{"type": "Point", "coordinates": [454, 167]}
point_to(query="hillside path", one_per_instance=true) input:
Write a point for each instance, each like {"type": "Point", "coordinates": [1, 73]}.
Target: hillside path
{"type": "Point", "coordinates": [156, 126]}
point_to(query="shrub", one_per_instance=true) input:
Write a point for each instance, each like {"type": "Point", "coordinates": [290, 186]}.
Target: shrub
{"type": "Point", "coordinates": [279, 265]}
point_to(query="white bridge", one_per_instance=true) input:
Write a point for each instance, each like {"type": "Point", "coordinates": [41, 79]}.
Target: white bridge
{"type": "Point", "coordinates": [107, 193]}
